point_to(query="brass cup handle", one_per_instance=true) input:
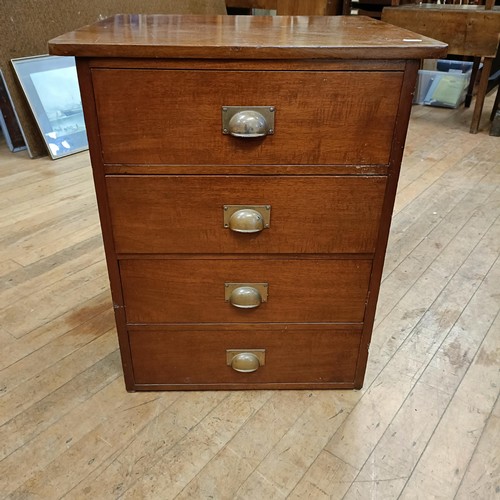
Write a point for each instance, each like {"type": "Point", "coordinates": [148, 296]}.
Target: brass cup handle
{"type": "Point", "coordinates": [246, 220]}
{"type": "Point", "coordinates": [247, 124]}
{"type": "Point", "coordinates": [245, 362]}
{"type": "Point", "coordinates": [245, 297]}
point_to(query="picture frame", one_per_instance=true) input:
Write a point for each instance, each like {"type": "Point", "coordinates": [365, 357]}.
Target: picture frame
{"type": "Point", "coordinates": [9, 121]}
{"type": "Point", "coordinates": [50, 84]}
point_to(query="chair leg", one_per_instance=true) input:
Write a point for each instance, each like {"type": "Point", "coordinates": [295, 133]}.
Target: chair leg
{"type": "Point", "coordinates": [481, 93]}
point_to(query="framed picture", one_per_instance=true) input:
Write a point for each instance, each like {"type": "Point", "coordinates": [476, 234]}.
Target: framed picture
{"type": "Point", "coordinates": [9, 121]}
{"type": "Point", "coordinates": [51, 87]}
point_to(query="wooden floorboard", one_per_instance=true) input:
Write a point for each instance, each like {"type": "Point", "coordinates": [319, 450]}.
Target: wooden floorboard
{"type": "Point", "coordinates": [425, 425]}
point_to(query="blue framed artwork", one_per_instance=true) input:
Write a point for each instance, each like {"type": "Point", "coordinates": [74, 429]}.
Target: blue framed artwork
{"type": "Point", "coordinates": [50, 84]}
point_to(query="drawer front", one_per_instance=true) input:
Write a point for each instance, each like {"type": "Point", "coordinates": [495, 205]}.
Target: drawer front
{"type": "Point", "coordinates": [193, 290]}
{"type": "Point", "coordinates": [308, 214]}
{"type": "Point", "coordinates": [200, 357]}
{"type": "Point", "coordinates": [174, 117]}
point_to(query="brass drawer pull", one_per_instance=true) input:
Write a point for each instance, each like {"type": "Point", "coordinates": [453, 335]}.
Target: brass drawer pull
{"type": "Point", "coordinates": [256, 121]}
{"type": "Point", "coordinates": [245, 361]}
{"type": "Point", "coordinates": [247, 219]}
{"type": "Point", "coordinates": [246, 295]}
{"type": "Point", "coordinates": [248, 124]}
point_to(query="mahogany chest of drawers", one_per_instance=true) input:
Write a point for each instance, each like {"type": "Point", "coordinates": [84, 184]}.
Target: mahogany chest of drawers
{"type": "Point", "coordinates": [245, 171]}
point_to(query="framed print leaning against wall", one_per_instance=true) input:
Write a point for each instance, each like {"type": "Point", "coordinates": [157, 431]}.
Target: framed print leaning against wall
{"type": "Point", "coordinates": [9, 121]}
{"type": "Point", "coordinates": [50, 84]}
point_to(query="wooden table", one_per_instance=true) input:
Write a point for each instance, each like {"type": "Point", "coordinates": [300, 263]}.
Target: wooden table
{"type": "Point", "coordinates": [292, 7]}
{"type": "Point", "coordinates": [469, 30]}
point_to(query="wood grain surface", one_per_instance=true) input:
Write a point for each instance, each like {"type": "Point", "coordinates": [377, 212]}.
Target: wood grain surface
{"type": "Point", "coordinates": [245, 37]}
{"type": "Point", "coordinates": [197, 358]}
{"type": "Point", "coordinates": [184, 214]}
{"type": "Point", "coordinates": [156, 117]}
{"type": "Point", "coordinates": [192, 291]}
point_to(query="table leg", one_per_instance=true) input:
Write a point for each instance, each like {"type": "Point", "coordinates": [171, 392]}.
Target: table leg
{"type": "Point", "coordinates": [481, 93]}
{"type": "Point", "coordinates": [473, 78]}
{"type": "Point", "coordinates": [496, 104]}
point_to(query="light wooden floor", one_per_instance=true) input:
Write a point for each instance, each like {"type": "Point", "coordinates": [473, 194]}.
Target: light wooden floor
{"type": "Point", "coordinates": [426, 425]}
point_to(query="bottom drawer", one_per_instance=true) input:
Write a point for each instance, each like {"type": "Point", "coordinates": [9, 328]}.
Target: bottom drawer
{"type": "Point", "coordinates": [173, 359]}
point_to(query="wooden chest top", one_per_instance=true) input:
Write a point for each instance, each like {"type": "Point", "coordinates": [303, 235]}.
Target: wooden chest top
{"type": "Point", "coordinates": [245, 37]}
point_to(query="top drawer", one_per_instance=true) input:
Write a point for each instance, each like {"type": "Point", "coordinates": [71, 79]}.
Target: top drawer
{"type": "Point", "coordinates": [174, 117]}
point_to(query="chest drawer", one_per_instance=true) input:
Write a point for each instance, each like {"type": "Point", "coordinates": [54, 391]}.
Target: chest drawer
{"type": "Point", "coordinates": [193, 290]}
{"type": "Point", "coordinates": [173, 117]}
{"type": "Point", "coordinates": [185, 214]}
{"type": "Point", "coordinates": [200, 357]}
